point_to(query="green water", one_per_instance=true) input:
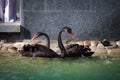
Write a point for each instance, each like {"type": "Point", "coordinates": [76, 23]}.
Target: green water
{"type": "Point", "coordinates": [95, 68]}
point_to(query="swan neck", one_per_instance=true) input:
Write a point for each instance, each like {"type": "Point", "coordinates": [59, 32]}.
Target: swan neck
{"type": "Point", "coordinates": [60, 44]}
{"type": "Point", "coordinates": [48, 41]}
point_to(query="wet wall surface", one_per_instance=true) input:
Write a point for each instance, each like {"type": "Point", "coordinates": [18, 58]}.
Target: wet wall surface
{"type": "Point", "coordinates": [89, 19]}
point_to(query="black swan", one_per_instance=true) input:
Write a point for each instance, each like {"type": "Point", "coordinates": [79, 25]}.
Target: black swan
{"type": "Point", "coordinates": [81, 49]}
{"type": "Point", "coordinates": [72, 49]}
{"type": "Point", "coordinates": [38, 50]}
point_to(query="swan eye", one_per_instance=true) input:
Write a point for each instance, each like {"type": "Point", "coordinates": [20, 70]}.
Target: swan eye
{"type": "Point", "coordinates": [69, 30]}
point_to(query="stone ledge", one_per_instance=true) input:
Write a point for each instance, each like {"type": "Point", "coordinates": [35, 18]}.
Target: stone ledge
{"type": "Point", "coordinates": [96, 47]}
{"type": "Point", "coordinates": [10, 27]}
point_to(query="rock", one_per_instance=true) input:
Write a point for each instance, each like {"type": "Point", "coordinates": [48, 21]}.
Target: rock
{"type": "Point", "coordinates": [5, 46]}
{"type": "Point", "coordinates": [105, 42]}
{"type": "Point", "coordinates": [54, 45]}
{"type": "Point", "coordinates": [100, 46]}
{"type": "Point", "coordinates": [94, 43]}
{"type": "Point", "coordinates": [31, 41]}
{"type": "Point", "coordinates": [18, 44]}
{"type": "Point", "coordinates": [101, 51]}
{"type": "Point", "coordinates": [12, 49]}
{"type": "Point", "coordinates": [115, 51]}
{"type": "Point", "coordinates": [0, 46]}
{"type": "Point", "coordinates": [70, 41]}
{"type": "Point", "coordinates": [57, 50]}
{"type": "Point", "coordinates": [118, 43]}
{"type": "Point", "coordinates": [93, 48]}
{"type": "Point", "coordinates": [19, 49]}
{"type": "Point", "coordinates": [79, 42]}
{"type": "Point", "coordinates": [113, 45]}
{"type": "Point", "coordinates": [86, 43]}
{"type": "Point", "coordinates": [43, 42]}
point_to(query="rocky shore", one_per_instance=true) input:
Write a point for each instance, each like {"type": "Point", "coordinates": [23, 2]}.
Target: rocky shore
{"type": "Point", "coordinates": [95, 45]}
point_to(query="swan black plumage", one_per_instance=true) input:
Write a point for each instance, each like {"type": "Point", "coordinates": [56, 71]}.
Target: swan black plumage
{"type": "Point", "coordinates": [38, 50]}
{"type": "Point", "coordinates": [67, 52]}
{"type": "Point", "coordinates": [72, 49]}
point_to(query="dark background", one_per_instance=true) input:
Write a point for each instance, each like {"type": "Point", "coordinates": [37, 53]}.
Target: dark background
{"type": "Point", "coordinates": [89, 19]}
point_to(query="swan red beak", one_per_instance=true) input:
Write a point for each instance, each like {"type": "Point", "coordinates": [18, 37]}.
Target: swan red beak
{"type": "Point", "coordinates": [34, 37]}
{"type": "Point", "coordinates": [71, 34]}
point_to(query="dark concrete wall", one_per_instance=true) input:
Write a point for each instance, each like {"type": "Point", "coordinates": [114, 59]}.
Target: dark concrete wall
{"type": "Point", "coordinates": [89, 19]}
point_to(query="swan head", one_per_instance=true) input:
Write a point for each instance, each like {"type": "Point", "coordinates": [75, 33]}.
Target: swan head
{"type": "Point", "coordinates": [69, 30]}
{"type": "Point", "coordinates": [36, 35]}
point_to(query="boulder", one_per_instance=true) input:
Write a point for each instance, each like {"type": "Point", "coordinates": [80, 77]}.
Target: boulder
{"type": "Point", "coordinates": [19, 49]}
{"type": "Point", "coordinates": [112, 45]}
{"type": "Point", "coordinates": [115, 51]}
{"type": "Point", "coordinates": [12, 49]}
{"type": "Point", "coordinates": [18, 44]}
{"type": "Point", "coordinates": [118, 43]}
{"type": "Point", "coordinates": [70, 42]}
{"type": "Point", "coordinates": [105, 42]}
{"type": "Point", "coordinates": [79, 42]}
{"type": "Point", "coordinates": [43, 42]}
{"type": "Point", "coordinates": [31, 41]}
{"type": "Point", "coordinates": [93, 48]}
{"type": "Point", "coordinates": [53, 45]}
{"type": "Point", "coordinates": [101, 51]}
{"type": "Point", "coordinates": [87, 43]}
{"type": "Point", "coordinates": [100, 46]}
{"type": "Point", "coordinates": [94, 43]}
{"type": "Point", "coordinates": [0, 46]}
{"type": "Point", "coordinates": [5, 46]}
